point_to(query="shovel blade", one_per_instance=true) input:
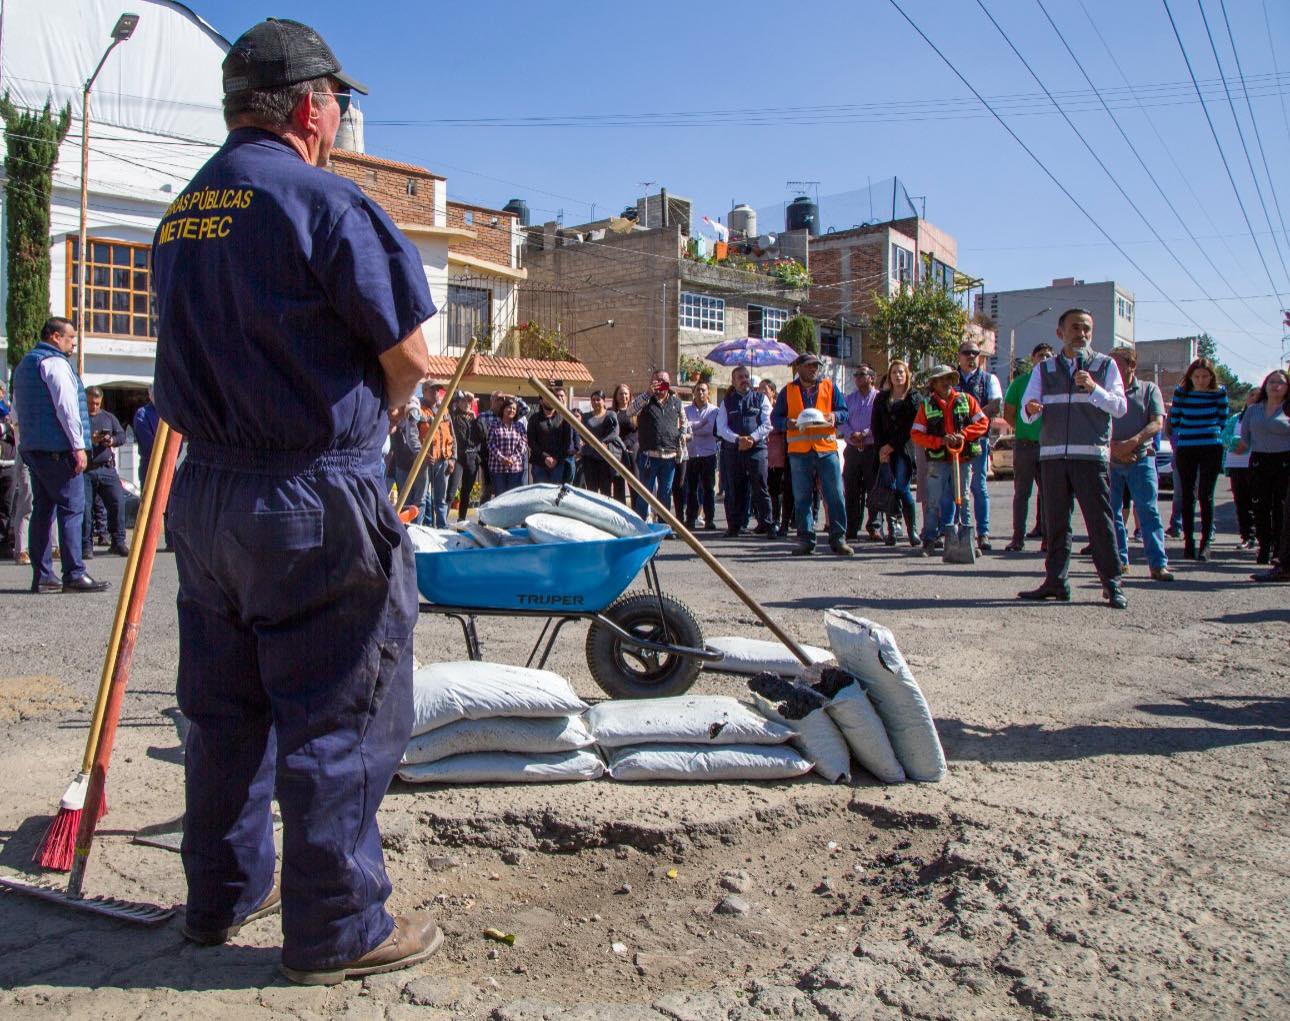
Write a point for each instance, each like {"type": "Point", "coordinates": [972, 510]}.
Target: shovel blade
{"type": "Point", "coordinates": [960, 546]}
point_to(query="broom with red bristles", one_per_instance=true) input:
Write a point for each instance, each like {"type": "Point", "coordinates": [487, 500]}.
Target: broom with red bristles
{"type": "Point", "coordinates": [56, 850]}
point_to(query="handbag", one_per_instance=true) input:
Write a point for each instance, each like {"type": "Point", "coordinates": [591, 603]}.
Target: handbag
{"type": "Point", "coordinates": [882, 497]}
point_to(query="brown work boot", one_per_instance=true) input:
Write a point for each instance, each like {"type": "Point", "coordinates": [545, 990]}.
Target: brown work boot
{"type": "Point", "coordinates": [271, 905]}
{"type": "Point", "coordinates": [415, 937]}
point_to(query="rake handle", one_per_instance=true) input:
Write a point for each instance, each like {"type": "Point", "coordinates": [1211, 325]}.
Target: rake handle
{"type": "Point", "coordinates": [122, 656]}
{"type": "Point", "coordinates": [666, 514]}
{"type": "Point", "coordinates": [442, 410]}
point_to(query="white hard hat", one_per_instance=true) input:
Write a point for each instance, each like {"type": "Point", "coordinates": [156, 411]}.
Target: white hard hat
{"type": "Point", "coordinates": [810, 416]}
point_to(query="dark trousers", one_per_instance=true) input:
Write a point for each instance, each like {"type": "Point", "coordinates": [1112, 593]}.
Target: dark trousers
{"type": "Point", "coordinates": [105, 484]}
{"type": "Point", "coordinates": [56, 492]}
{"type": "Point", "coordinates": [460, 485]}
{"type": "Point", "coordinates": [859, 471]}
{"type": "Point", "coordinates": [746, 492]}
{"type": "Point", "coordinates": [1025, 476]}
{"type": "Point", "coordinates": [1243, 501]}
{"type": "Point", "coordinates": [1063, 482]}
{"type": "Point", "coordinates": [7, 541]}
{"type": "Point", "coordinates": [680, 488]}
{"type": "Point", "coordinates": [1197, 471]}
{"type": "Point", "coordinates": [1270, 474]}
{"type": "Point", "coordinates": [598, 476]}
{"type": "Point", "coordinates": [295, 672]}
{"type": "Point", "coordinates": [618, 487]}
{"type": "Point", "coordinates": [700, 489]}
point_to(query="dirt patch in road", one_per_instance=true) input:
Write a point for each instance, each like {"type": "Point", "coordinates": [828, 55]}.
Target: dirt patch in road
{"type": "Point", "coordinates": [35, 697]}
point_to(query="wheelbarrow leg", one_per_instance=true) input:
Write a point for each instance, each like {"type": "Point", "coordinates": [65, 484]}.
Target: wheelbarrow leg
{"type": "Point", "coordinates": [560, 622]}
{"type": "Point", "coordinates": [546, 626]}
{"type": "Point", "coordinates": [651, 579]}
{"type": "Point", "coordinates": [470, 635]}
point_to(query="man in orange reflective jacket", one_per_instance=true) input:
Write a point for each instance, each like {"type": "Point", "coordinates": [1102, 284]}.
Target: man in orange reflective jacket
{"type": "Point", "coordinates": [948, 422]}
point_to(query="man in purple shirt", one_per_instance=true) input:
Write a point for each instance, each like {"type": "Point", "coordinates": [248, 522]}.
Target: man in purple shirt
{"type": "Point", "coordinates": [860, 456]}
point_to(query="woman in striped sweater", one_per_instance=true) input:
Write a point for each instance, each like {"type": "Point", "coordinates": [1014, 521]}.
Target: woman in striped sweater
{"type": "Point", "coordinates": [1196, 419]}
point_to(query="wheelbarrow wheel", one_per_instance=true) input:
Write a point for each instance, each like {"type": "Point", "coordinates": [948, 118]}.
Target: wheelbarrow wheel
{"type": "Point", "coordinates": [627, 672]}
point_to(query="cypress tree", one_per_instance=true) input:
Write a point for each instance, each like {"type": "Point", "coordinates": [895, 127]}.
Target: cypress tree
{"type": "Point", "coordinates": [32, 139]}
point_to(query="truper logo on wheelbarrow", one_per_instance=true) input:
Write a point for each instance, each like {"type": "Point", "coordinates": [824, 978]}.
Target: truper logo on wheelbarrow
{"type": "Point", "coordinates": [550, 599]}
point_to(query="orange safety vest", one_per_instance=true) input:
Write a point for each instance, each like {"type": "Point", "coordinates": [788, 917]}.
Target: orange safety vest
{"type": "Point", "coordinates": [820, 438]}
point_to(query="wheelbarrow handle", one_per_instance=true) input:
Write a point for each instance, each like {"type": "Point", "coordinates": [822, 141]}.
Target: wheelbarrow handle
{"type": "Point", "coordinates": [670, 519]}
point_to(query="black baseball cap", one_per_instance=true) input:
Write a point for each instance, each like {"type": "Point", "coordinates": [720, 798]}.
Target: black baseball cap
{"type": "Point", "coordinates": [279, 52]}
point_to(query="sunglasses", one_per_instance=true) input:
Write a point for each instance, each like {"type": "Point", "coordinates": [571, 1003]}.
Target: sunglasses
{"type": "Point", "coordinates": [342, 100]}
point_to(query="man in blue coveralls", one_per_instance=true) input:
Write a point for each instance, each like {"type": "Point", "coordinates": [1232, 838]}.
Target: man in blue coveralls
{"type": "Point", "coordinates": [290, 312]}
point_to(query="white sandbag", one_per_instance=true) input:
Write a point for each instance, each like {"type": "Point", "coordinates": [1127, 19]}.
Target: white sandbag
{"type": "Point", "coordinates": [701, 764]}
{"type": "Point", "coordinates": [490, 537]}
{"type": "Point", "coordinates": [436, 540]}
{"type": "Point", "coordinates": [817, 737]}
{"type": "Point", "coordinates": [508, 767]}
{"type": "Point", "coordinates": [756, 655]}
{"type": "Point", "coordinates": [443, 693]}
{"type": "Point", "coordinates": [500, 734]}
{"type": "Point", "coordinates": [683, 719]}
{"type": "Point", "coordinates": [557, 528]}
{"type": "Point", "coordinates": [865, 734]}
{"type": "Point", "coordinates": [511, 508]}
{"type": "Point", "coordinates": [869, 651]}
{"type": "Point", "coordinates": [601, 511]}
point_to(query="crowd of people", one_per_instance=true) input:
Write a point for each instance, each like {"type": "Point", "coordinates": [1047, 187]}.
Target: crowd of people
{"type": "Point", "coordinates": [775, 459]}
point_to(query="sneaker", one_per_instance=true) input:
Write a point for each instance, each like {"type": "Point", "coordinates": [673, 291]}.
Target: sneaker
{"type": "Point", "coordinates": [23, 559]}
{"type": "Point", "coordinates": [271, 905]}
{"type": "Point", "coordinates": [842, 549]}
{"type": "Point", "coordinates": [983, 543]}
{"type": "Point", "coordinates": [1162, 574]}
{"type": "Point", "coordinates": [415, 938]}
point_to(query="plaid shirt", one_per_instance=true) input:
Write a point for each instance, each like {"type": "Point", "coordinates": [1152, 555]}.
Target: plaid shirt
{"type": "Point", "coordinates": [508, 447]}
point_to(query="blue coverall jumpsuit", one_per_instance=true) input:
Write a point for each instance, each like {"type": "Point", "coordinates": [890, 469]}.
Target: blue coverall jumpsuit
{"type": "Point", "coordinates": [278, 286]}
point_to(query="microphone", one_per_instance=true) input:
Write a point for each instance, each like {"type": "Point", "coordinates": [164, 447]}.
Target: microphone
{"type": "Point", "coordinates": [1081, 360]}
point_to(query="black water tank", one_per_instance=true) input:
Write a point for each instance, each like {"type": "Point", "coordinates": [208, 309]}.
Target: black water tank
{"type": "Point", "coordinates": [803, 213]}
{"type": "Point", "coordinates": [631, 213]}
{"type": "Point", "coordinates": [520, 208]}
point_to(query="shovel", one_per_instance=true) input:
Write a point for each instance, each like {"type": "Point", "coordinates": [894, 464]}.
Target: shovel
{"type": "Point", "coordinates": [960, 547]}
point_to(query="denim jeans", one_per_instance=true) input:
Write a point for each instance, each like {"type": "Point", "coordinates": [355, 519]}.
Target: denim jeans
{"type": "Point", "coordinates": [980, 495]}
{"type": "Point", "coordinates": [657, 473]}
{"type": "Point", "coordinates": [1139, 479]}
{"type": "Point", "coordinates": [541, 473]}
{"type": "Point", "coordinates": [940, 496]}
{"type": "Point", "coordinates": [806, 468]}
{"type": "Point", "coordinates": [505, 481]}
{"type": "Point", "coordinates": [434, 505]}
{"type": "Point", "coordinates": [949, 513]}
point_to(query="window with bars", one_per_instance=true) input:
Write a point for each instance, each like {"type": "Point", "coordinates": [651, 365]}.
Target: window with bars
{"type": "Point", "coordinates": [469, 313]}
{"type": "Point", "coordinates": [118, 288]}
{"type": "Point", "coordinates": [764, 322]}
{"type": "Point", "coordinates": [702, 312]}
{"type": "Point", "coordinates": [833, 345]}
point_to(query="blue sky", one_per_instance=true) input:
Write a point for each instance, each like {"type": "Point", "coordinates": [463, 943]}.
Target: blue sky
{"type": "Point", "coordinates": [492, 67]}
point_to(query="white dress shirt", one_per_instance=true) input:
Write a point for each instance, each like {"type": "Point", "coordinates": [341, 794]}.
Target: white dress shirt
{"type": "Point", "coordinates": [1111, 399]}
{"type": "Point", "coordinates": [759, 434]}
{"type": "Point", "coordinates": [57, 375]}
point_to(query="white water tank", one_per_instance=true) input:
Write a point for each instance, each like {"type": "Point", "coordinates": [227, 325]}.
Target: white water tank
{"type": "Point", "coordinates": [743, 220]}
{"type": "Point", "coordinates": [350, 135]}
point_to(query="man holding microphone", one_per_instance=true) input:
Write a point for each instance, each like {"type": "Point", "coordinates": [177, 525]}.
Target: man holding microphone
{"type": "Point", "coordinates": [1078, 392]}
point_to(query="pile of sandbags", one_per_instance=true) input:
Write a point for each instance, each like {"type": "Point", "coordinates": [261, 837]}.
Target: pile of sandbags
{"type": "Point", "coordinates": [477, 722]}
{"type": "Point", "coordinates": [757, 655]}
{"type": "Point", "coordinates": [548, 513]}
{"type": "Point", "coordinates": [693, 738]}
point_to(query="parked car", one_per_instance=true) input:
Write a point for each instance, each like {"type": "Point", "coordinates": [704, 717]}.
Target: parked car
{"type": "Point", "coordinates": [1001, 455]}
{"type": "Point", "coordinates": [1165, 464]}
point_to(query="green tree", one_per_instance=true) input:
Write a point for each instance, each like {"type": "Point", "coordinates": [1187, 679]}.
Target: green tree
{"type": "Point", "coordinates": [919, 323]}
{"type": "Point", "coordinates": [799, 334]}
{"type": "Point", "coordinates": [32, 140]}
{"type": "Point", "coordinates": [1207, 347]}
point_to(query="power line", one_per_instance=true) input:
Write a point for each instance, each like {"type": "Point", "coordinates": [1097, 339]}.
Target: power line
{"type": "Point", "coordinates": [1030, 152]}
{"type": "Point", "coordinates": [1258, 135]}
{"type": "Point", "coordinates": [1142, 163]}
{"type": "Point", "coordinates": [1222, 155]}
{"type": "Point", "coordinates": [1267, 23]}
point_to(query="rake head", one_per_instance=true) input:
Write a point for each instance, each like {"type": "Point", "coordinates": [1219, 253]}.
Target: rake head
{"type": "Point", "coordinates": [109, 907]}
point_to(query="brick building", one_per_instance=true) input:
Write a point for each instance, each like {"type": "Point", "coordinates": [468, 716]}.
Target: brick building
{"type": "Point", "coordinates": [849, 267]}
{"type": "Point", "coordinates": [664, 305]}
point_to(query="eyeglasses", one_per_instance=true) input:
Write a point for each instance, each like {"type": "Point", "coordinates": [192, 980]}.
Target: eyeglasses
{"type": "Point", "coordinates": [970, 354]}
{"type": "Point", "coordinates": [342, 100]}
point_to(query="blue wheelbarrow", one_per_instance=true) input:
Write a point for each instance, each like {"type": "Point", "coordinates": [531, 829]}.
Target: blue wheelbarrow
{"type": "Point", "coordinates": [640, 645]}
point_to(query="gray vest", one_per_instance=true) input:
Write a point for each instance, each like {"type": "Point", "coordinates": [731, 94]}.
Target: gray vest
{"type": "Point", "coordinates": [1072, 427]}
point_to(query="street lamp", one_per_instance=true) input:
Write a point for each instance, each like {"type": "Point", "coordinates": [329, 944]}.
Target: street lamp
{"type": "Point", "coordinates": [1012, 337]}
{"type": "Point", "coordinates": [121, 31]}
